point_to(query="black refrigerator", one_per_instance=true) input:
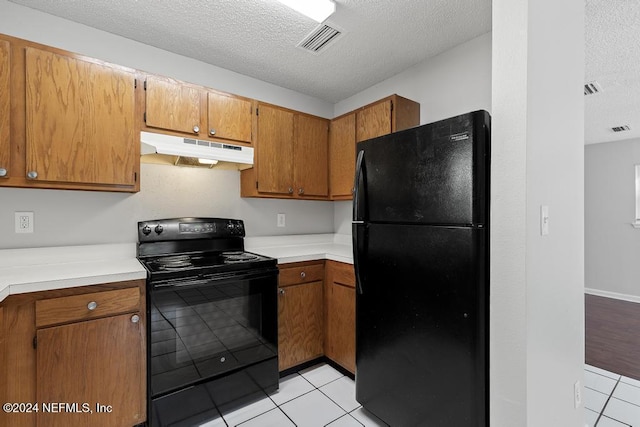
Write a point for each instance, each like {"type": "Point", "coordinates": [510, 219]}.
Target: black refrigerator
{"type": "Point", "coordinates": [421, 256]}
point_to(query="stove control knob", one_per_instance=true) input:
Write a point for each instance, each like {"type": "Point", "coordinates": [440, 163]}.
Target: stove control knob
{"type": "Point", "coordinates": [159, 229]}
{"type": "Point", "coordinates": [230, 227]}
{"type": "Point", "coordinates": [146, 230]}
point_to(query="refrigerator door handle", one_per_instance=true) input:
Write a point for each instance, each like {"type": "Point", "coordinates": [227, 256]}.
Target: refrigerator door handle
{"type": "Point", "coordinates": [357, 205]}
{"type": "Point", "coordinates": [358, 234]}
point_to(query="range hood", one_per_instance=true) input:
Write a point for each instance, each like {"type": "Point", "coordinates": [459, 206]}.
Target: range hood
{"type": "Point", "coordinates": [160, 148]}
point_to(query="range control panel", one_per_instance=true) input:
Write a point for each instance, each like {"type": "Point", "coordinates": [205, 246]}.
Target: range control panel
{"type": "Point", "coordinates": [189, 228]}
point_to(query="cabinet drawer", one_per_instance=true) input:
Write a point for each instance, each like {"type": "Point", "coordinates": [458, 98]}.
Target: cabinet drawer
{"type": "Point", "coordinates": [344, 274]}
{"type": "Point", "coordinates": [301, 274]}
{"type": "Point", "coordinates": [87, 306]}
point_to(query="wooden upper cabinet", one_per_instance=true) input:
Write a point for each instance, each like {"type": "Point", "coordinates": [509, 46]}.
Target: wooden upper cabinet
{"type": "Point", "coordinates": [173, 105]}
{"type": "Point", "coordinates": [5, 108]}
{"type": "Point", "coordinates": [382, 117]}
{"type": "Point", "coordinates": [229, 117]}
{"type": "Point", "coordinates": [342, 156]}
{"type": "Point", "coordinates": [273, 159]}
{"type": "Point", "coordinates": [310, 156]}
{"type": "Point", "coordinates": [79, 121]}
{"type": "Point", "coordinates": [374, 120]}
{"type": "Point", "coordinates": [387, 115]}
{"type": "Point", "coordinates": [92, 362]}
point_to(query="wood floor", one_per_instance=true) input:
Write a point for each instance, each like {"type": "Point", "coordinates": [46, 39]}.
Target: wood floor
{"type": "Point", "coordinates": [612, 335]}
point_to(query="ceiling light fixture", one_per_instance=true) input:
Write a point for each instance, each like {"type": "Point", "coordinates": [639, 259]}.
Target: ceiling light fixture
{"type": "Point", "coordinates": [318, 10]}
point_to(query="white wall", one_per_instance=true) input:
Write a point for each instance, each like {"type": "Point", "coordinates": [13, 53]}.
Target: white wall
{"type": "Point", "coordinates": [82, 217]}
{"type": "Point", "coordinates": [537, 282]}
{"type": "Point", "coordinates": [611, 244]}
{"type": "Point", "coordinates": [455, 82]}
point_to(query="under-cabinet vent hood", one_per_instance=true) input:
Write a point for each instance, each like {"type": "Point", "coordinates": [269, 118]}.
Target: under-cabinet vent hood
{"type": "Point", "coordinates": [178, 148]}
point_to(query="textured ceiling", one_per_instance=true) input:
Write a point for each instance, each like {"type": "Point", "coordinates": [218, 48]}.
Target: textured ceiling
{"type": "Point", "coordinates": [381, 38]}
{"type": "Point", "coordinates": [612, 58]}
{"type": "Point", "coordinates": [258, 38]}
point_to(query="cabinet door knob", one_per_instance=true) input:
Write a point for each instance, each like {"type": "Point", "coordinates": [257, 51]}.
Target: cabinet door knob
{"type": "Point", "coordinates": [32, 174]}
{"type": "Point", "coordinates": [290, 190]}
{"type": "Point", "coordinates": [212, 131]}
{"type": "Point", "coordinates": [3, 172]}
{"type": "Point", "coordinates": [92, 305]}
{"type": "Point", "coordinates": [196, 129]}
{"type": "Point", "coordinates": [281, 291]}
{"type": "Point", "coordinates": [300, 190]}
{"type": "Point", "coordinates": [303, 274]}
{"type": "Point", "coordinates": [135, 318]}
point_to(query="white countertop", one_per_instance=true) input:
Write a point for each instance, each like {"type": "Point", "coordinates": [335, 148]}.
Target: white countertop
{"type": "Point", "coordinates": [308, 247]}
{"type": "Point", "coordinates": [42, 269]}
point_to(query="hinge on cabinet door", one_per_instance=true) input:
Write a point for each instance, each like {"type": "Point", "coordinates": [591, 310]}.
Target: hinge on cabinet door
{"type": "Point", "coordinates": [144, 117]}
{"type": "Point", "coordinates": [135, 83]}
{"type": "Point", "coordinates": [391, 105]}
{"type": "Point", "coordinates": [145, 85]}
{"type": "Point", "coordinates": [257, 112]}
{"type": "Point", "coordinates": [135, 177]}
{"type": "Point", "coordinates": [35, 342]}
{"type": "Point", "coordinates": [256, 185]}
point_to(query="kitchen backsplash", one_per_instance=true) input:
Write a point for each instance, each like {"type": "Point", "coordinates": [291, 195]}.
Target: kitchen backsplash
{"type": "Point", "coordinates": [63, 217]}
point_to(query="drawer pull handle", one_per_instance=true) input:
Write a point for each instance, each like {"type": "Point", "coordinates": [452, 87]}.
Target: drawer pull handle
{"type": "Point", "coordinates": [92, 305]}
{"type": "Point", "coordinates": [303, 274]}
{"type": "Point", "coordinates": [135, 318]}
{"type": "Point", "coordinates": [281, 291]}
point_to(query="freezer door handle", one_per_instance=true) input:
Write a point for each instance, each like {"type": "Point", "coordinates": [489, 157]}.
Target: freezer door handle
{"type": "Point", "coordinates": [357, 193]}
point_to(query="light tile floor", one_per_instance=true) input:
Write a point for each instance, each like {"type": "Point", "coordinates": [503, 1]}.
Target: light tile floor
{"type": "Point", "coordinates": [321, 396]}
{"type": "Point", "coordinates": [318, 396]}
{"type": "Point", "coordinates": [610, 400]}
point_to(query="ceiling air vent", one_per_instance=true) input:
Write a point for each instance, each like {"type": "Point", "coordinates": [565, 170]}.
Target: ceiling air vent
{"type": "Point", "coordinates": [592, 88]}
{"type": "Point", "coordinates": [319, 38]}
{"type": "Point", "coordinates": [621, 128]}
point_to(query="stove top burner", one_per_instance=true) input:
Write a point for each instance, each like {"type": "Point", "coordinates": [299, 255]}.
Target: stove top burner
{"type": "Point", "coordinates": [175, 262]}
{"type": "Point", "coordinates": [233, 257]}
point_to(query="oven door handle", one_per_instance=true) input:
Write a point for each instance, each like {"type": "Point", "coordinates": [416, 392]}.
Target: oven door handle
{"type": "Point", "coordinates": [181, 283]}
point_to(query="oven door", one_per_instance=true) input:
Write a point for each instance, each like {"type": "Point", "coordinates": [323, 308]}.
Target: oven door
{"type": "Point", "coordinates": [212, 344]}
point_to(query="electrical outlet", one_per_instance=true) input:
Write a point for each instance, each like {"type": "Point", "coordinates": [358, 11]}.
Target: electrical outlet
{"type": "Point", "coordinates": [24, 222]}
{"type": "Point", "coordinates": [577, 395]}
{"type": "Point", "coordinates": [281, 220]}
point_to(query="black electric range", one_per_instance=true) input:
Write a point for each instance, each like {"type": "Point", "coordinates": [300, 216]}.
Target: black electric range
{"type": "Point", "coordinates": [212, 310]}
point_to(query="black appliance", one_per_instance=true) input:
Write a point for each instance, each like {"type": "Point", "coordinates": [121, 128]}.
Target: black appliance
{"type": "Point", "coordinates": [212, 319]}
{"type": "Point", "coordinates": [421, 256]}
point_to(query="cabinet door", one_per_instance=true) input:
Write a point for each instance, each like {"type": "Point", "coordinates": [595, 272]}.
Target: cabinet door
{"type": "Point", "coordinates": [94, 362]}
{"type": "Point", "coordinates": [299, 324]}
{"type": "Point", "coordinates": [341, 325]}
{"type": "Point", "coordinates": [373, 121]}
{"type": "Point", "coordinates": [310, 156]}
{"type": "Point", "coordinates": [274, 150]}
{"type": "Point", "coordinates": [5, 108]}
{"type": "Point", "coordinates": [80, 120]}
{"type": "Point", "coordinates": [172, 105]}
{"type": "Point", "coordinates": [229, 117]}
{"type": "Point", "coordinates": [342, 156]}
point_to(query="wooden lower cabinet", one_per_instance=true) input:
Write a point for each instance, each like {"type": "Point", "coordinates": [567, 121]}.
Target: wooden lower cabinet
{"type": "Point", "coordinates": [300, 313]}
{"type": "Point", "coordinates": [94, 365]}
{"type": "Point", "coordinates": [340, 313]}
{"type": "Point", "coordinates": [81, 368]}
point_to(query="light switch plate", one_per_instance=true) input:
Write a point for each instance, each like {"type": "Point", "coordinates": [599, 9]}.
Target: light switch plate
{"type": "Point", "coordinates": [544, 220]}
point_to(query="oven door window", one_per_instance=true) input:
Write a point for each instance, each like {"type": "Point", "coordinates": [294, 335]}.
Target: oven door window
{"type": "Point", "coordinates": [207, 328]}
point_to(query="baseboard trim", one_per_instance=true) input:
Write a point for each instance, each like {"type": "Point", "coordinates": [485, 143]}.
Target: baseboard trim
{"type": "Point", "coordinates": [614, 295]}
